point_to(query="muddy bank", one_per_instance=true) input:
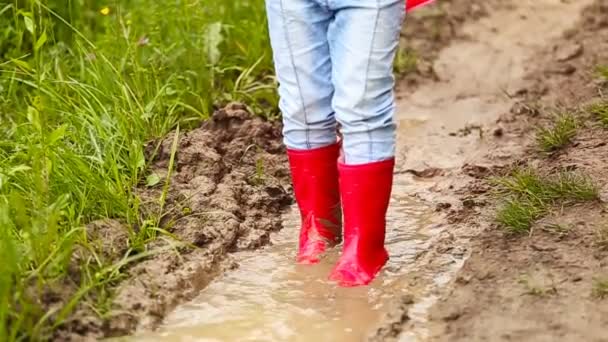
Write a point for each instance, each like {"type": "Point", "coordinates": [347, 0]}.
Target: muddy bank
{"type": "Point", "coordinates": [227, 190]}
{"type": "Point", "coordinates": [545, 285]}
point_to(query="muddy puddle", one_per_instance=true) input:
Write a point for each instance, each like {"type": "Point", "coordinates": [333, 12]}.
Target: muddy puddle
{"type": "Point", "coordinates": [442, 126]}
{"type": "Point", "coordinates": [269, 298]}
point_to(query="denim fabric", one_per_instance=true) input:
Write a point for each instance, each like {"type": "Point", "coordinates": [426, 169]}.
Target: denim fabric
{"type": "Point", "coordinates": [334, 63]}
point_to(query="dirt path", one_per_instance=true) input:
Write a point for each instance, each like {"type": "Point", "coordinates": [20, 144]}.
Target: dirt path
{"type": "Point", "coordinates": [550, 285]}
{"type": "Point", "coordinates": [450, 136]}
{"type": "Point", "coordinates": [453, 126]}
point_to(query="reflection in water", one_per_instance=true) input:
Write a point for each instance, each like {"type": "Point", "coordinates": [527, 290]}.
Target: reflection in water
{"type": "Point", "coordinates": [269, 298]}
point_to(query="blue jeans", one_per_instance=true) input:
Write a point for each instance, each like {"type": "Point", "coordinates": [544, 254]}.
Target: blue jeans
{"type": "Point", "coordinates": [334, 64]}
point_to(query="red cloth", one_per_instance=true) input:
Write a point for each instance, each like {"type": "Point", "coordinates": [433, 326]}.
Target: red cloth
{"type": "Point", "coordinates": [411, 4]}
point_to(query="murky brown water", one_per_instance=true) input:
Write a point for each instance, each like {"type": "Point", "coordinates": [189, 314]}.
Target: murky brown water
{"type": "Point", "coordinates": [269, 298]}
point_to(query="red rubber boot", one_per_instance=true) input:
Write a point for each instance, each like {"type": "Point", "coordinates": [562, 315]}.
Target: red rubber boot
{"type": "Point", "coordinates": [366, 191]}
{"type": "Point", "coordinates": [412, 4]}
{"type": "Point", "coordinates": [315, 181]}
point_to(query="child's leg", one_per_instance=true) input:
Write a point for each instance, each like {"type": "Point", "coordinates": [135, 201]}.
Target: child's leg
{"type": "Point", "coordinates": [363, 41]}
{"type": "Point", "coordinates": [298, 32]}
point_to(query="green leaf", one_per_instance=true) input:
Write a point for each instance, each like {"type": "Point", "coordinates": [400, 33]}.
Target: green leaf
{"type": "Point", "coordinates": [152, 179]}
{"type": "Point", "coordinates": [18, 168]}
{"type": "Point", "coordinates": [169, 91]}
{"type": "Point", "coordinates": [40, 41]}
{"type": "Point", "coordinates": [57, 134]}
{"type": "Point", "coordinates": [29, 23]}
{"type": "Point", "coordinates": [33, 116]}
{"type": "Point", "coordinates": [22, 64]}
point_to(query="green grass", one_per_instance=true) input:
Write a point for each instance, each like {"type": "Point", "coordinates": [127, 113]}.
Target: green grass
{"type": "Point", "coordinates": [530, 194]}
{"type": "Point", "coordinates": [602, 71]}
{"type": "Point", "coordinates": [558, 134]}
{"type": "Point", "coordinates": [517, 215]}
{"type": "Point", "coordinates": [84, 86]}
{"type": "Point", "coordinates": [557, 229]}
{"type": "Point", "coordinates": [600, 288]}
{"type": "Point", "coordinates": [601, 237]}
{"type": "Point", "coordinates": [600, 111]}
{"type": "Point", "coordinates": [406, 60]}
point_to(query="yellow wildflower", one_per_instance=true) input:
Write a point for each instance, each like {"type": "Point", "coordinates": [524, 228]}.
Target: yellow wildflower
{"type": "Point", "coordinates": [105, 11]}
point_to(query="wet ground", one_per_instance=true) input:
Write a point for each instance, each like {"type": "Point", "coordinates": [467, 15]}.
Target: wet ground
{"type": "Point", "coordinates": [444, 126]}
{"type": "Point", "coordinates": [269, 298]}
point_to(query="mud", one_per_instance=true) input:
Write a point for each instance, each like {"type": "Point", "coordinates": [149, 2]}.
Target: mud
{"type": "Point", "coordinates": [475, 123]}
{"type": "Point", "coordinates": [227, 191]}
{"type": "Point", "coordinates": [541, 287]}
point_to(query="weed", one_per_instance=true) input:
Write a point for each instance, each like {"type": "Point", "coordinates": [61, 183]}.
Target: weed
{"type": "Point", "coordinates": [406, 60]}
{"type": "Point", "coordinates": [530, 194]}
{"type": "Point", "coordinates": [600, 111]}
{"type": "Point", "coordinates": [534, 289]}
{"type": "Point", "coordinates": [602, 72]}
{"type": "Point", "coordinates": [259, 171]}
{"type": "Point", "coordinates": [572, 186]}
{"type": "Point", "coordinates": [558, 134]}
{"type": "Point", "coordinates": [600, 288]}
{"type": "Point", "coordinates": [523, 182]}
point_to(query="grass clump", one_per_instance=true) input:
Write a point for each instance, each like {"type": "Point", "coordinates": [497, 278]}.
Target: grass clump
{"type": "Point", "coordinates": [600, 288]}
{"type": "Point", "coordinates": [406, 60]}
{"type": "Point", "coordinates": [558, 134]}
{"type": "Point", "coordinates": [530, 195]}
{"type": "Point", "coordinates": [600, 111]}
{"type": "Point", "coordinates": [602, 72]}
{"type": "Point", "coordinates": [517, 215]}
{"type": "Point", "coordinates": [601, 237]}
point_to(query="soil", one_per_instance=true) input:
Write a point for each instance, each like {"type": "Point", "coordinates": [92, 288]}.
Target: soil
{"type": "Point", "coordinates": [429, 29]}
{"type": "Point", "coordinates": [541, 287]}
